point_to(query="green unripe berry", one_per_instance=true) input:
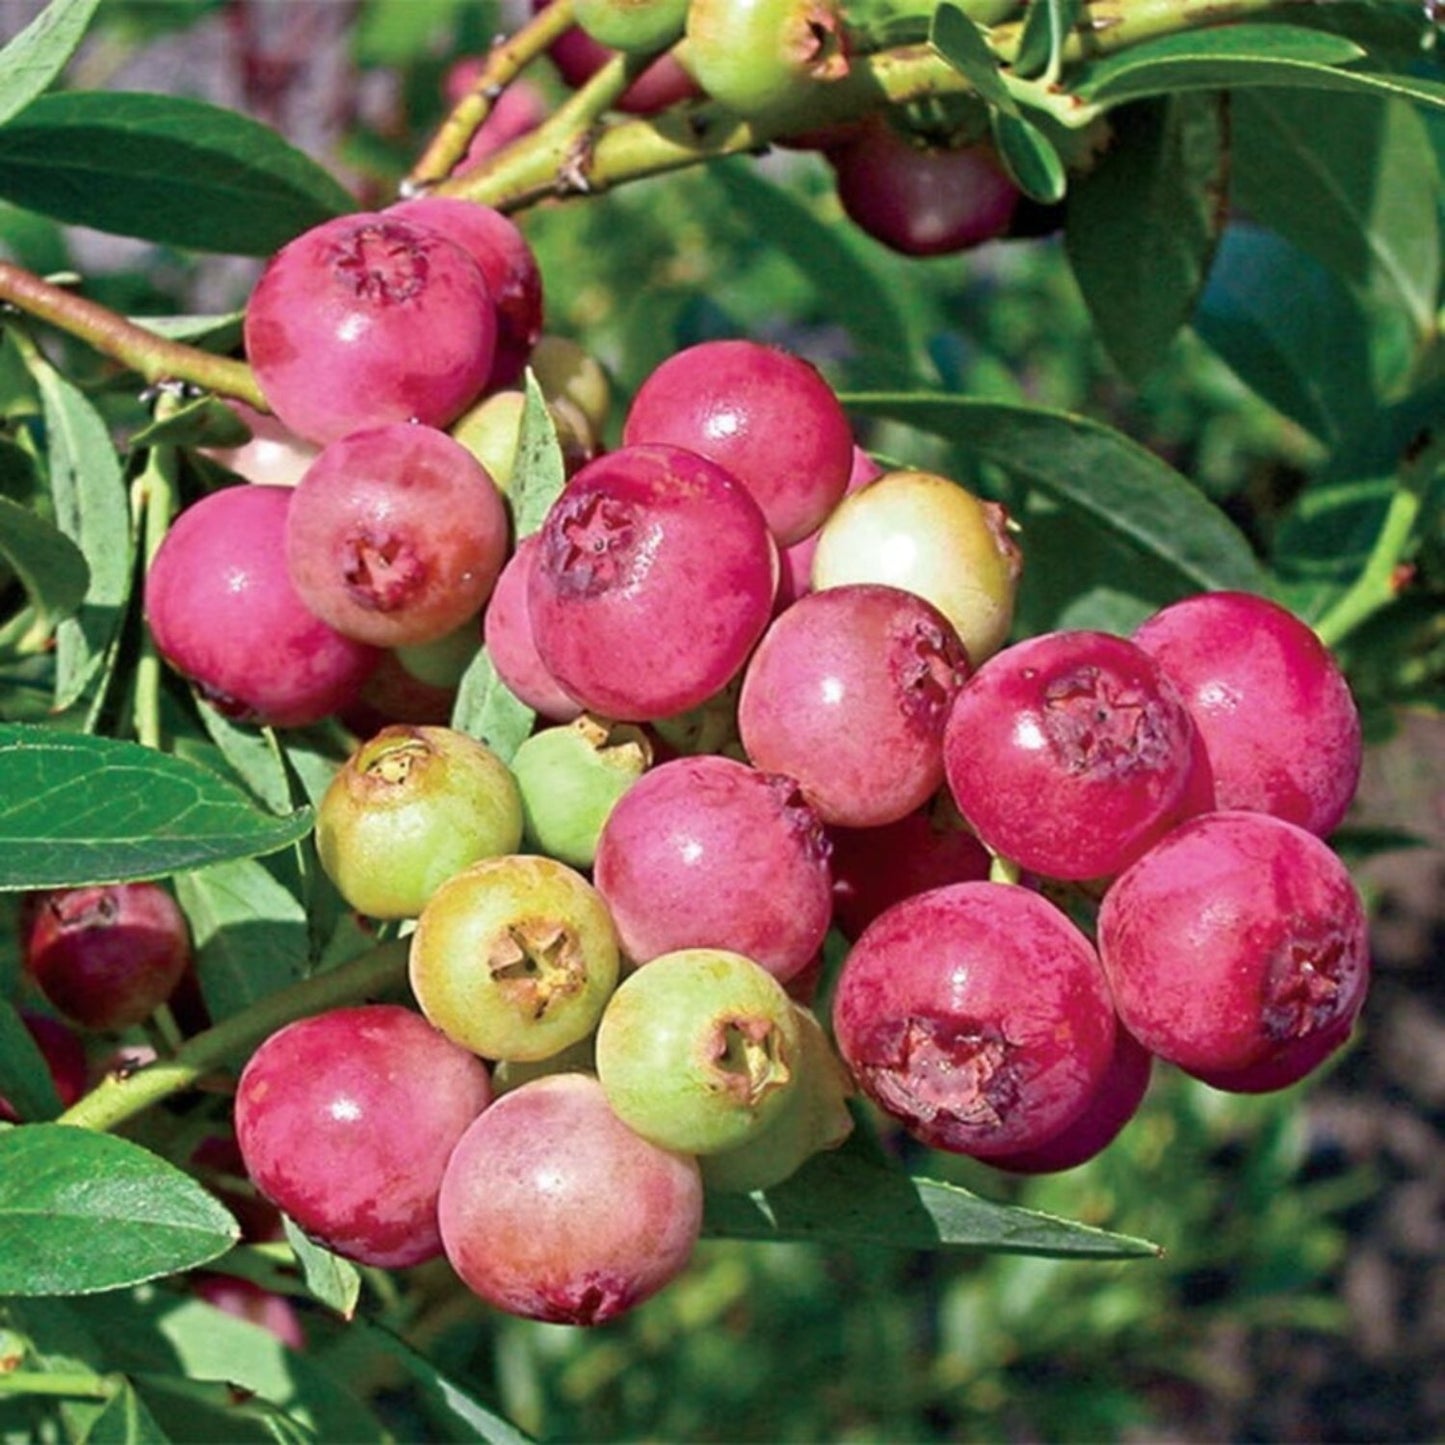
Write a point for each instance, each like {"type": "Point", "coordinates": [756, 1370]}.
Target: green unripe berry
{"type": "Point", "coordinates": [757, 56]}
{"type": "Point", "coordinates": [514, 958]}
{"type": "Point", "coordinates": [814, 1118]}
{"type": "Point", "coordinates": [570, 778]}
{"type": "Point", "coordinates": [409, 808]}
{"type": "Point", "coordinates": [698, 1050]}
{"type": "Point", "coordinates": [643, 26]}
{"type": "Point", "coordinates": [567, 372]}
{"type": "Point", "coordinates": [926, 534]}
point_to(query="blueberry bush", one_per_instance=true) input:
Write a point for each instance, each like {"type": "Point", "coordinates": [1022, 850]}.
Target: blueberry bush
{"type": "Point", "coordinates": [679, 711]}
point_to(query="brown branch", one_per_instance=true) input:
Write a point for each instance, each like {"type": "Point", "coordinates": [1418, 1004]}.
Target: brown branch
{"type": "Point", "coordinates": [155, 358]}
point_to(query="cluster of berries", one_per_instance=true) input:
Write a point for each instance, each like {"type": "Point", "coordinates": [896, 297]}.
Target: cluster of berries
{"type": "Point", "coordinates": [775, 695]}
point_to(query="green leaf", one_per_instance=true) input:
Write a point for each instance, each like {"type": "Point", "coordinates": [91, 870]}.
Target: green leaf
{"type": "Point", "coordinates": [458, 1415]}
{"type": "Point", "coordinates": [336, 1282]}
{"type": "Point", "coordinates": [82, 1211]}
{"type": "Point", "coordinates": [837, 264]}
{"type": "Point", "coordinates": [486, 708]}
{"type": "Point", "coordinates": [39, 53]}
{"type": "Point", "coordinates": [960, 41]}
{"type": "Point", "coordinates": [164, 168]}
{"type": "Point", "coordinates": [849, 1196]}
{"type": "Point", "coordinates": [24, 1075]}
{"type": "Point", "coordinates": [215, 1410]}
{"type": "Point", "coordinates": [77, 809]}
{"type": "Point", "coordinates": [540, 471]}
{"type": "Point", "coordinates": [1120, 486]}
{"type": "Point", "coordinates": [1143, 225]}
{"type": "Point", "coordinates": [1353, 183]}
{"type": "Point", "coordinates": [148, 1333]}
{"type": "Point", "coordinates": [92, 509]}
{"type": "Point", "coordinates": [249, 933]}
{"type": "Point", "coordinates": [1030, 157]}
{"type": "Point", "coordinates": [50, 566]}
{"type": "Point", "coordinates": [1311, 360]}
{"type": "Point", "coordinates": [204, 422]}
{"type": "Point", "coordinates": [1217, 59]}
{"type": "Point", "coordinates": [125, 1420]}
{"type": "Point", "coordinates": [1046, 26]}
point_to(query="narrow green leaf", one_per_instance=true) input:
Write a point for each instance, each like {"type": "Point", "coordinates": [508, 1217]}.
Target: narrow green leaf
{"type": "Point", "coordinates": [1216, 58]}
{"type": "Point", "coordinates": [82, 1211]}
{"type": "Point", "coordinates": [336, 1282]}
{"type": "Point", "coordinates": [39, 53]}
{"type": "Point", "coordinates": [125, 1420]}
{"type": "Point", "coordinates": [1121, 486]}
{"type": "Point", "coordinates": [204, 422]}
{"type": "Point", "coordinates": [77, 809]}
{"type": "Point", "coordinates": [249, 932]}
{"type": "Point", "coordinates": [540, 471]}
{"type": "Point", "coordinates": [850, 1197]}
{"type": "Point", "coordinates": [960, 41]}
{"type": "Point", "coordinates": [1352, 182]}
{"type": "Point", "coordinates": [92, 509]}
{"type": "Point", "coordinates": [216, 1410]}
{"type": "Point", "coordinates": [25, 1078]}
{"type": "Point", "coordinates": [458, 1415]}
{"type": "Point", "coordinates": [50, 566]}
{"type": "Point", "coordinates": [164, 168]}
{"type": "Point", "coordinates": [486, 708]}
{"type": "Point", "coordinates": [1046, 26]}
{"type": "Point", "coordinates": [147, 1335]}
{"type": "Point", "coordinates": [1030, 157]}
{"type": "Point", "coordinates": [1312, 359]}
{"type": "Point", "coordinates": [836, 261]}
{"type": "Point", "coordinates": [1143, 224]}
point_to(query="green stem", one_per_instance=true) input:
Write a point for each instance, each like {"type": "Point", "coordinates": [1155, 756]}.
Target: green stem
{"type": "Point", "coordinates": [558, 157]}
{"type": "Point", "coordinates": [504, 62]}
{"type": "Point", "coordinates": [554, 159]}
{"type": "Point", "coordinates": [155, 358]}
{"type": "Point", "coordinates": [74, 1386]}
{"type": "Point", "coordinates": [116, 1099]}
{"type": "Point", "coordinates": [154, 497]}
{"type": "Point", "coordinates": [1003, 870]}
{"type": "Point", "coordinates": [1385, 571]}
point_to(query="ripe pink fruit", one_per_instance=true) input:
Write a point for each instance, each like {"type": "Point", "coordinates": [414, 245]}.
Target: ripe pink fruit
{"type": "Point", "coordinates": [224, 613]}
{"type": "Point", "coordinates": [1280, 729]}
{"type": "Point", "coordinates": [919, 199]}
{"type": "Point", "coordinates": [578, 57]}
{"type": "Point", "coordinates": [507, 636]}
{"type": "Point", "coordinates": [1070, 753]}
{"type": "Point", "coordinates": [553, 1209]}
{"type": "Point", "coordinates": [849, 692]}
{"type": "Point", "coordinates": [1114, 1102]}
{"type": "Point", "coordinates": [107, 957]}
{"type": "Point", "coordinates": [765, 415]}
{"type": "Point", "coordinates": [693, 838]}
{"type": "Point", "coordinates": [507, 264]}
{"type": "Point", "coordinates": [274, 456]}
{"type": "Point", "coordinates": [346, 1121]}
{"type": "Point", "coordinates": [396, 535]}
{"type": "Point", "coordinates": [64, 1056]}
{"type": "Point", "coordinates": [653, 579]}
{"type": "Point", "coordinates": [977, 1015]}
{"type": "Point", "coordinates": [797, 560]}
{"type": "Point", "coordinates": [368, 319]}
{"type": "Point", "coordinates": [874, 868]}
{"type": "Point", "coordinates": [1236, 937]}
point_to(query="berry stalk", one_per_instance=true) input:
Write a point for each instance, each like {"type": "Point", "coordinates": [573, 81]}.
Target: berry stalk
{"type": "Point", "coordinates": [120, 1097]}
{"type": "Point", "coordinates": [155, 358]}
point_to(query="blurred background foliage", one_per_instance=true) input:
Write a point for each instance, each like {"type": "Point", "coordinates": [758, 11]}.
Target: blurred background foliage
{"type": "Point", "coordinates": [1256, 1203]}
